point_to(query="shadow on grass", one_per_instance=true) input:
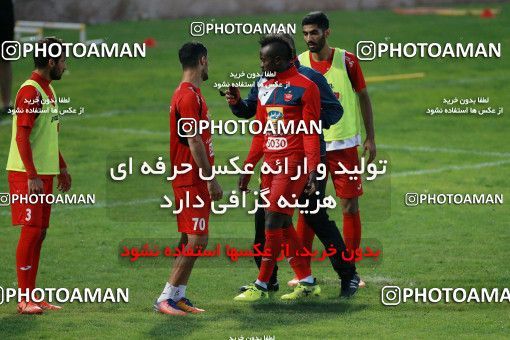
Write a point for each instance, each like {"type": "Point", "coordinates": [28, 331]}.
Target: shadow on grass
{"type": "Point", "coordinates": [16, 325]}
{"type": "Point", "coordinates": [177, 327]}
{"type": "Point", "coordinates": [253, 317]}
{"type": "Point", "coordinates": [310, 307]}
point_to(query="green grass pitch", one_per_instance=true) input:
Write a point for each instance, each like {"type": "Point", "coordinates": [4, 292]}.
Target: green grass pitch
{"type": "Point", "coordinates": [126, 104]}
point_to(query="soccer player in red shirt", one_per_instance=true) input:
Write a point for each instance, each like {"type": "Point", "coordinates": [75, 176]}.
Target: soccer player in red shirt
{"type": "Point", "coordinates": [34, 159]}
{"type": "Point", "coordinates": [297, 101]}
{"type": "Point", "coordinates": [344, 137]}
{"type": "Point", "coordinates": [6, 34]}
{"type": "Point", "coordinates": [187, 146]}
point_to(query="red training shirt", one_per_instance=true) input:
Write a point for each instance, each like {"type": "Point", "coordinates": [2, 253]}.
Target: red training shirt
{"type": "Point", "coordinates": [298, 100]}
{"type": "Point", "coordinates": [188, 103]}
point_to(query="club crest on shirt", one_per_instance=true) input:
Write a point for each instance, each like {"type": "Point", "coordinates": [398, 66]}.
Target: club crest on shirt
{"type": "Point", "coordinates": [287, 96]}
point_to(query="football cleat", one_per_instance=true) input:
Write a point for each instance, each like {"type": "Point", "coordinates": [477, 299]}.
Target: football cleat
{"type": "Point", "coordinates": [168, 307]}
{"type": "Point", "coordinates": [29, 307]}
{"type": "Point", "coordinates": [271, 287]}
{"type": "Point", "coordinates": [252, 293]}
{"type": "Point", "coordinates": [48, 306]}
{"type": "Point", "coordinates": [186, 305]}
{"type": "Point", "coordinates": [349, 286]}
{"type": "Point", "coordinates": [303, 290]}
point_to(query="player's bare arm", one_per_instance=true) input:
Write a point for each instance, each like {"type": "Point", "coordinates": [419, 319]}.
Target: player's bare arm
{"type": "Point", "coordinates": [368, 121]}
{"type": "Point", "coordinates": [64, 180]}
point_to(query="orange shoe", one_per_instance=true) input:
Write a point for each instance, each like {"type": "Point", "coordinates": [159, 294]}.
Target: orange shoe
{"type": "Point", "coordinates": [187, 306]}
{"type": "Point", "coordinates": [48, 306]}
{"type": "Point", "coordinates": [29, 307]}
{"type": "Point", "coordinates": [168, 307]}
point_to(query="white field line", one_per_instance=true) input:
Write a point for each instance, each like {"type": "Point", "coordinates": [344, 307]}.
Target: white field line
{"type": "Point", "coordinates": [87, 116]}
{"type": "Point", "coordinates": [148, 132]}
{"type": "Point", "coordinates": [241, 137]}
{"type": "Point", "coordinates": [103, 204]}
{"type": "Point", "coordinates": [449, 168]}
{"type": "Point", "coordinates": [389, 147]}
{"type": "Point", "coordinates": [382, 146]}
{"type": "Point", "coordinates": [445, 150]}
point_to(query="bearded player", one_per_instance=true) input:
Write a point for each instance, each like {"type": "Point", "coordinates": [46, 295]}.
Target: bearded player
{"type": "Point", "coordinates": [298, 100]}
{"type": "Point", "coordinates": [187, 108]}
{"type": "Point", "coordinates": [343, 72]}
{"type": "Point", "coordinates": [325, 229]}
{"type": "Point", "coordinates": [34, 160]}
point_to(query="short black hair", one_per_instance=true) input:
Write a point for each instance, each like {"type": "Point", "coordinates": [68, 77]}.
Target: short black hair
{"type": "Point", "coordinates": [292, 44]}
{"type": "Point", "coordinates": [281, 44]}
{"type": "Point", "coordinates": [316, 18]}
{"type": "Point", "coordinates": [190, 53]}
{"type": "Point", "coordinates": [48, 45]}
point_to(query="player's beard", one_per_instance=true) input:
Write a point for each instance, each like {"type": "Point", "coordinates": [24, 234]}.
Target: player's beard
{"type": "Point", "coordinates": [205, 75]}
{"type": "Point", "coordinates": [55, 74]}
{"type": "Point", "coordinates": [268, 69]}
{"type": "Point", "coordinates": [316, 48]}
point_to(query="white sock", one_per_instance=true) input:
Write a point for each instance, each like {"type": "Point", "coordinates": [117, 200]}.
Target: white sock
{"type": "Point", "coordinates": [262, 284]}
{"type": "Point", "coordinates": [167, 293]}
{"type": "Point", "coordinates": [308, 279]}
{"type": "Point", "coordinates": [179, 293]}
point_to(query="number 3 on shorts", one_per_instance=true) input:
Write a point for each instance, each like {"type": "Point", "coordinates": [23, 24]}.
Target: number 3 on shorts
{"type": "Point", "coordinates": [28, 217]}
{"type": "Point", "coordinates": [198, 223]}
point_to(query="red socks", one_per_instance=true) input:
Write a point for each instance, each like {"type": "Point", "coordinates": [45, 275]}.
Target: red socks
{"type": "Point", "coordinates": [274, 240]}
{"type": "Point", "coordinates": [35, 260]}
{"type": "Point", "coordinates": [352, 231]}
{"type": "Point", "coordinates": [27, 256]}
{"type": "Point", "coordinates": [306, 235]}
{"type": "Point", "coordinates": [300, 265]}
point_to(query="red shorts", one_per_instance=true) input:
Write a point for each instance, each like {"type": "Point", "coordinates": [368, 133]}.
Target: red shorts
{"type": "Point", "coordinates": [24, 213]}
{"type": "Point", "coordinates": [193, 220]}
{"type": "Point", "coordinates": [281, 185]}
{"type": "Point", "coordinates": [346, 186]}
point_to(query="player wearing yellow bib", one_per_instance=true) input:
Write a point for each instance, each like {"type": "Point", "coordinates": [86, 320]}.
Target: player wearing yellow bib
{"type": "Point", "coordinates": [34, 159]}
{"type": "Point", "coordinates": [343, 73]}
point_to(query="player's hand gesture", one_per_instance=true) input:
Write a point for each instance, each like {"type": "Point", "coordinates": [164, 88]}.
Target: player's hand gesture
{"type": "Point", "coordinates": [233, 95]}
{"type": "Point", "coordinates": [64, 181]}
{"type": "Point", "coordinates": [215, 190]}
{"type": "Point", "coordinates": [35, 186]}
{"type": "Point", "coordinates": [243, 182]}
{"type": "Point", "coordinates": [311, 185]}
{"type": "Point", "coordinates": [370, 146]}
